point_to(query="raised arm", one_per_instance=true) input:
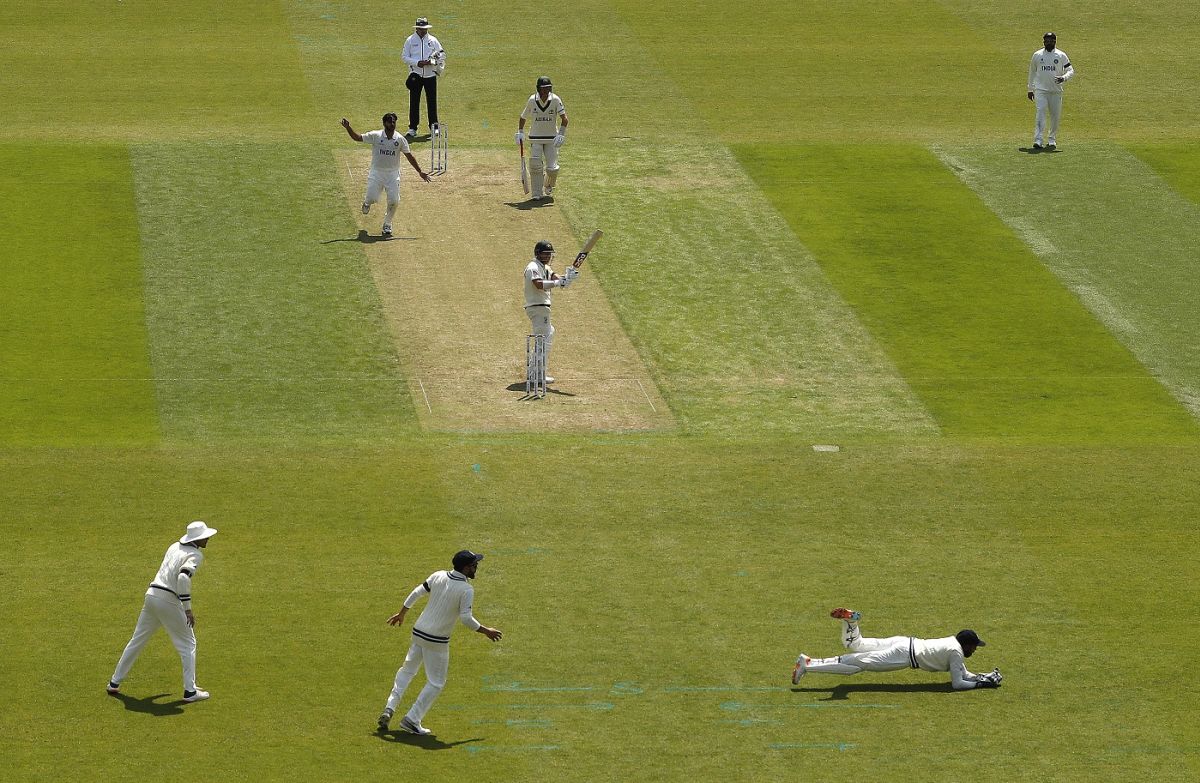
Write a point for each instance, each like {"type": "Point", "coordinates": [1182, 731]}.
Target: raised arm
{"type": "Point", "coordinates": [353, 135]}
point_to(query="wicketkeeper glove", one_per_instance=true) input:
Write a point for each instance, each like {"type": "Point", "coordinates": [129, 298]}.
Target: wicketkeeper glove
{"type": "Point", "coordinates": [520, 137]}
{"type": "Point", "coordinates": [990, 680]}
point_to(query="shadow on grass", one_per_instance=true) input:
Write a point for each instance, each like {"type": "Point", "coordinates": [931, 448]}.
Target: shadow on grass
{"type": "Point", "coordinates": [842, 692]}
{"type": "Point", "coordinates": [424, 741]}
{"type": "Point", "coordinates": [150, 705]}
{"type": "Point", "coordinates": [365, 238]}
{"type": "Point", "coordinates": [519, 386]}
{"type": "Point", "coordinates": [529, 204]}
{"type": "Point", "coordinates": [1037, 150]}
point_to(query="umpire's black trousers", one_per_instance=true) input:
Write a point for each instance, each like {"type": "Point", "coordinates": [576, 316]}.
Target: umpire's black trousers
{"type": "Point", "coordinates": [415, 83]}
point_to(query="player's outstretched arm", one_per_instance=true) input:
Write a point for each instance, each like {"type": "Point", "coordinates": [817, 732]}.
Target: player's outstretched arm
{"type": "Point", "coordinates": [416, 166]}
{"type": "Point", "coordinates": [353, 135]}
{"type": "Point", "coordinates": [492, 633]}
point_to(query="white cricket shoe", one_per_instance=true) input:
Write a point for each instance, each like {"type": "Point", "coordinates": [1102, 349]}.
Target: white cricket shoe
{"type": "Point", "coordinates": [413, 728]}
{"type": "Point", "coordinates": [196, 695]}
{"type": "Point", "coordinates": [550, 379]}
{"type": "Point", "coordinates": [411, 133]}
{"type": "Point", "coordinates": [112, 688]}
{"type": "Point", "coordinates": [800, 668]}
{"type": "Point", "coordinates": [387, 231]}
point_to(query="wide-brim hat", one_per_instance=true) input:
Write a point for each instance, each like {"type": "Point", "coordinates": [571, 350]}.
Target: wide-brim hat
{"type": "Point", "coordinates": [422, 24]}
{"type": "Point", "coordinates": [197, 531]}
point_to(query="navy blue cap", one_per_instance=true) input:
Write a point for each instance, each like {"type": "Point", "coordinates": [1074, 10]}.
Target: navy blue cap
{"type": "Point", "coordinates": [465, 558]}
{"type": "Point", "coordinates": [967, 636]}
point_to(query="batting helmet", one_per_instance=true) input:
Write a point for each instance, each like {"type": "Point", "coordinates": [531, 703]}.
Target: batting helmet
{"type": "Point", "coordinates": [543, 81]}
{"type": "Point", "coordinates": [542, 247]}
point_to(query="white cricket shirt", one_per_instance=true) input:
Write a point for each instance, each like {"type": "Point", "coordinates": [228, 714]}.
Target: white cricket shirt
{"type": "Point", "coordinates": [385, 152]}
{"type": "Point", "coordinates": [450, 599]}
{"type": "Point", "coordinates": [542, 118]}
{"type": "Point", "coordinates": [181, 560]}
{"type": "Point", "coordinates": [536, 270]}
{"type": "Point", "coordinates": [942, 655]}
{"type": "Point", "coordinates": [1045, 66]}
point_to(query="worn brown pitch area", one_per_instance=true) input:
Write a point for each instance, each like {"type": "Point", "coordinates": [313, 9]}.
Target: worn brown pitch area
{"type": "Point", "coordinates": [451, 286]}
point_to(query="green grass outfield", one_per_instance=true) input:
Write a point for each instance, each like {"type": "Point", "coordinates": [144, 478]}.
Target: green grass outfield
{"type": "Point", "coordinates": [820, 231]}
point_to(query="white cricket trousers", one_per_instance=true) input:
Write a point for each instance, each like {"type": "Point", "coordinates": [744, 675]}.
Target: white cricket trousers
{"type": "Point", "coordinates": [539, 323]}
{"type": "Point", "coordinates": [1048, 103]}
{"type": "Point", "coordinates": [164, 611]}
{"type": "Point", "coordinates": [870, 655]}
{"type": "Point", "coordinates": [436, 660]}
{"type": "Point", "coordinates": [543, 159]}
{"type": "Point", "coordinates": [380, 181]}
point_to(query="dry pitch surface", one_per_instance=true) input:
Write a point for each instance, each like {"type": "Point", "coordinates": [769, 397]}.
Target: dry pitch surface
{"type": "Point", "coordinates": [451, 286]}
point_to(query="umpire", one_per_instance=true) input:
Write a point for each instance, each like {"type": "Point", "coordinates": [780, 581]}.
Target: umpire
{"type": "Point", "coordinates": [425, 60]}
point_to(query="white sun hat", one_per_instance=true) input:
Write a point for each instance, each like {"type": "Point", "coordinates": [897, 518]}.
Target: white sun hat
{"type": "Point", "coordinates": [196, 531]}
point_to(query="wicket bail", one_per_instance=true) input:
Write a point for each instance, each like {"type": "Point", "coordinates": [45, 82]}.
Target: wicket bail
{"type": "Point", "coordinates": [439, 149]}
{"type": "Point", "coordinates": [535, 365]}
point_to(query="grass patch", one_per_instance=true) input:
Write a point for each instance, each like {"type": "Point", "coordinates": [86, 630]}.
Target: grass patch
{"type": "Point", "coordinates": [262, 326]}
{"type": "Point", "coordinates": [1178, 164]}
{"type": "Point", "coordinates": [75, 364]}
{"type": "Point", "coordinates": [316, 550]}
{"type": "Point", "coordinates": [1135, 271]}
{"type": "Point", "coordinates": [988, 338]}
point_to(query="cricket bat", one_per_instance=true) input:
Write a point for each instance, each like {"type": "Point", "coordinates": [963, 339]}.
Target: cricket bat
{"type": "Point", "coordinates": [587, 248]}
{"type": "Point", "coordinates": [524, 171]}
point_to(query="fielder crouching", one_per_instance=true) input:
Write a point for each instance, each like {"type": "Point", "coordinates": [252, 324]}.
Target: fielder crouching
{"type": "Point", "coordinates": [900, 652]}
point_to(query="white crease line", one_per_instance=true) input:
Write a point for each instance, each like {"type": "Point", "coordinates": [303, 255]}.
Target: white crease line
{"type": "Point", "coordinates": [647, 396]}
{"type": "Point", "coordinates": [426, 396]}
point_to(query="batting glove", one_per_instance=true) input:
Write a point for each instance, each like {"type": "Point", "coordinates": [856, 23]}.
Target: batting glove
{"type": "Point", "coordinates": [565, 281]}
{"type": "Point", "coordinates": [572, 273]}
{"type": "Point", "coordinates": [520, 137]}
{"type": "Point", "coordinates": [559, 139]}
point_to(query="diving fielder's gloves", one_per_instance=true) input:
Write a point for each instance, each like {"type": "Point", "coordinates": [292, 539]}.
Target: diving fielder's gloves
{"type": "Point", "coordinates": [990, 680]}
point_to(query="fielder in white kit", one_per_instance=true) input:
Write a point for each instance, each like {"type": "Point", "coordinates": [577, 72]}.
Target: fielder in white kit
{"type": "Point", "coordinates": [539, 279]}
{"type": "Point", "coordinates": [168, 605]}
{"type": "Point", "coordinates": [386, 148]}
{"type": "Point", "coordinates": [1048, 69]}
{"type": "Point", "coordinates": [547, 132]}
{"type": "Point", "coordinates": [900, 652]}
{"type": "Point", "coordinates": [450, 599]}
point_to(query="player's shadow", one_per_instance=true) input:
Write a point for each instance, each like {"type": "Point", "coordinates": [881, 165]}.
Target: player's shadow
{"type": "Point", "coordinates": [150, 705]}
{"type": "Point", "coordinates": [365, 238]}
{"type": "Point", "coordinates": [422, 741]}
{"type": "Point", "coordinates": [843, 692]}
{"type": "Point", "coordinates": [529, 204]}
{"type": "Point", "coordinates": [1037, 151]}
{"type": "Point", "coordinates": [519, 386]}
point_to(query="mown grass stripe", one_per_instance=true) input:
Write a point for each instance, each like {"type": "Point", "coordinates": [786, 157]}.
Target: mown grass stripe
{"type": "Point", "coordinates": [990, 339]}
{"type": "Point", "coordinates": [261, 326]}
{"type": "Point", "coordinates": [1121, 238]}
{"type": "Point", "coordinates": [1178, 164]}
{"type": "Point", "coordinates": [74, 366]}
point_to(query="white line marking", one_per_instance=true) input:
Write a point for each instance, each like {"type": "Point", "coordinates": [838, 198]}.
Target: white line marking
{"type": "Point", "coordinates": [647, 396]}
{"type": "Point", "coordinates": [426, 396]}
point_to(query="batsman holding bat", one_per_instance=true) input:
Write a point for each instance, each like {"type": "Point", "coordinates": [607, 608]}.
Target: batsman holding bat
{"type": "Point", "coordinates": [540, 278]}
{"type": "Point", "coordinates": [547, 132]}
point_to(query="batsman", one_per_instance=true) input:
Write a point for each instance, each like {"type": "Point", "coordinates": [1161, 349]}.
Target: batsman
{"type": "Point", "coordinates": [547, 132]}
{"type": "Point", "coordinates": [540, 278]}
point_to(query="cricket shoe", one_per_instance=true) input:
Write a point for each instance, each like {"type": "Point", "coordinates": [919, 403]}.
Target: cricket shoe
{"type": "Point", "coordinates": [387, 231]}
{"type": "Point", "coordinates": [113, 688]}
{"type": "Point", "coordinates": [1052, 146]}
{"type": "Point", "coordinates": [849, 615]}
{"type": "Point", "coordinates": [800, 668]}
{"type": "Point", "coordinates": [194, 696]}
{"type": "Point", "coordinates": [384, 719]}
{"type": "Point", "coordinates": [1037, 146]}
{"type": "Point", "coordinates": [413, 728]}
{"type": "Point", "coordinates": [549, 379]}
{"type": "Point", "coordinates": [366, 209]}
{"type": "Point", "coordinates": [411, 133]}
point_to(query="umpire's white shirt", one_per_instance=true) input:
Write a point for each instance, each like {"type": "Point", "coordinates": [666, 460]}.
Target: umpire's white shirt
{"type": "Point", "coordinates": [418, 48]}
{"type": "Point", "coordinates": [1045, 66]}
{"type": "Point", "coordinates": [450, 598]}
{"type": "Point", "coordinates": [175, 574]}
{"type": "Point", "coordinates": [385, 152]}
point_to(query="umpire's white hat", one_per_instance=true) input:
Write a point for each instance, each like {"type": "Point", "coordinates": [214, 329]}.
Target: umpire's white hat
{"type": "Point", "coordinates": [197, 531]}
